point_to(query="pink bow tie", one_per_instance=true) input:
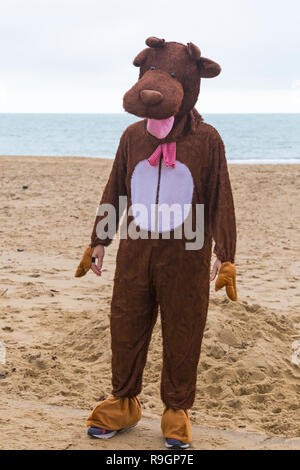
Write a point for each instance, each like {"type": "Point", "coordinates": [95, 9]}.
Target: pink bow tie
{"type": "Point", "coordinates": [169, 154]}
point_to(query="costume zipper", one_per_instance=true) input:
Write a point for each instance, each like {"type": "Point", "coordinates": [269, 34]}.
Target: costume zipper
{"type": "Point", "coordinates": [157, 194]}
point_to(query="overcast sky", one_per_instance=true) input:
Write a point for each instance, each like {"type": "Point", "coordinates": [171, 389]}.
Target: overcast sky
{"type": "Point", "coordinates": [76, 55]}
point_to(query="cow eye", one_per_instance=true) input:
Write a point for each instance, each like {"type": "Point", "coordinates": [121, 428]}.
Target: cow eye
{"type": "Point", "coordinates": [152, 67]}
{"type": "Point", "coordinates": [173, 74]}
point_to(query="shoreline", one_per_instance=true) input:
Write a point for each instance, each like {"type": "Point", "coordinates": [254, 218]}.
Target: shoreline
{"type": "Point", "coordinates": [230, 162]}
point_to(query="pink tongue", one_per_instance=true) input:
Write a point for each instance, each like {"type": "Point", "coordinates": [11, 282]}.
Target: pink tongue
{"type": "Point", "coordinates": [160, 128]}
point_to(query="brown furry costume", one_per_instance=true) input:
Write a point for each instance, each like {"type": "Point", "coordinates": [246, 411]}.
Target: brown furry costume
{"type": "Point", "coordinates": [161, 272]}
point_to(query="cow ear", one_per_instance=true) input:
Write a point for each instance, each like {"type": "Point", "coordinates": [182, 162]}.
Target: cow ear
{"type": "Point", "coordinates": [208, 68]}
{"type": "Point", "coordinates": [140, 58]}
{"type": "Point", "coordinates": [155, 42]}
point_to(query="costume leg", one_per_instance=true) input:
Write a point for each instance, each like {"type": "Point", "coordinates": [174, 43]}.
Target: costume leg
{"type": "Point", "coordinates": [133, 316]}
{"type": "Point", "coordinates": [182, 281]}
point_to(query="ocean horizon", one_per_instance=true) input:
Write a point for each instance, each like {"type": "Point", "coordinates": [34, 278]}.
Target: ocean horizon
{"type": "Point", "coordinates": [248, 138]}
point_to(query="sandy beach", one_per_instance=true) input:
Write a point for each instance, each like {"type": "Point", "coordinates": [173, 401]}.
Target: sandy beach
{"type": "Point", "coordinates": [56, 327]}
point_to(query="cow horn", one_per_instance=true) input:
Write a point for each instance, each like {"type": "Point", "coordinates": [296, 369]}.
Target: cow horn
{"type": "Point", "coordinates": [193, 51]}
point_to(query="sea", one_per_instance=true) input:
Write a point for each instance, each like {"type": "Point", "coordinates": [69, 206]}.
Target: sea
{"type": "Point", "coordinates": [248, 138]}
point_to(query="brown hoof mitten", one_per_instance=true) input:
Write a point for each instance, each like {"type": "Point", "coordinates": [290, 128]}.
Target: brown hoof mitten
{"type": "Point", "coordinates": [85, 263]}
{"type": "Point", "coordinates": [227, 278]}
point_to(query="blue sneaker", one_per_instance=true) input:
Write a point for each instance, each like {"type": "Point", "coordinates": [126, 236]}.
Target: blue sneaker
{"type": "Point", "coordinates": [175, 444]}
{"type": "Point", "coordinates": [101, 433]}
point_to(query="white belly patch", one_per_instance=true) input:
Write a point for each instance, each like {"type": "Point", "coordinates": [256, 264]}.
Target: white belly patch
{"type": "Point", "coordinates": [174, 195]}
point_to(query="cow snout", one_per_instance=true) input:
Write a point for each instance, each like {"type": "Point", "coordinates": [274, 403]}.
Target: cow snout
{"type": "Point", "coordinates": [151, 97]}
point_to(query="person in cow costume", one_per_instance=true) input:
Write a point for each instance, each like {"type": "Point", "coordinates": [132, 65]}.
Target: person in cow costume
{"type": "Point", "coordinates": [169, 157]}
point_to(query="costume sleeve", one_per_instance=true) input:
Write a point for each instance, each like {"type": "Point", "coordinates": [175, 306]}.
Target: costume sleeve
{"type": "Point", "coordinates": [114, 188]}
{"type": "Point", "coordinates": [221, 206]}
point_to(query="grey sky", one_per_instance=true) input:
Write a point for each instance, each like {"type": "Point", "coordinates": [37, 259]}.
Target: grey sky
{"type": "Point", "coordinates": [76, 55]}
